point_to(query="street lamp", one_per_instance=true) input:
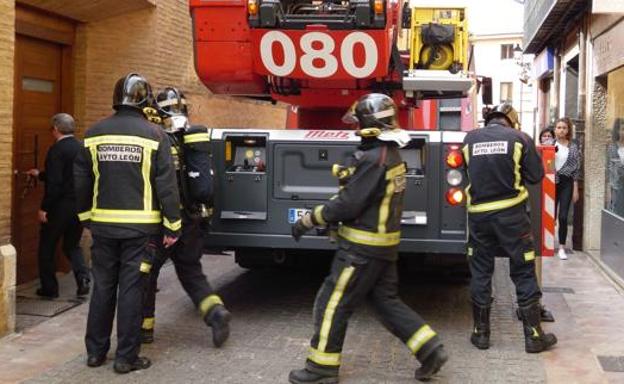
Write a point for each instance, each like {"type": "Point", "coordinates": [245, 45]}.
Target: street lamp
{"type": "Point", "coordinates": [523, 76]}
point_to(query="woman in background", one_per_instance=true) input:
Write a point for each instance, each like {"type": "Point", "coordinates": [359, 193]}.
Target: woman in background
{"type": "Point", "coordinates": [568, 167]}
{"type": "Point", "coordinates": [547, 136]}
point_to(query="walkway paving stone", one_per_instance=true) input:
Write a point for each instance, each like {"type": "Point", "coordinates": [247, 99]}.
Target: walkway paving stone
{"type": "Point", "coordinates": [272, 326]}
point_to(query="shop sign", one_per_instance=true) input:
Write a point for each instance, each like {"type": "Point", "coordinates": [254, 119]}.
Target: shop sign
{"type": "Point", "coordinates": [608, 6]}
{"type": "Point", "coordinates": [543, 63]}
{"type": "Point", "coordinates": [608, 50]}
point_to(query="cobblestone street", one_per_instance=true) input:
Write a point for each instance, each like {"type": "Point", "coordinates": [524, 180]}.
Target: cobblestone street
{"type": "Point", "coordinates": [272, 326]}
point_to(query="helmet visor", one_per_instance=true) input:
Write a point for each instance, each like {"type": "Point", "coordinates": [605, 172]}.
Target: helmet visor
{"type": "Point", "coordinates": [173, 107]}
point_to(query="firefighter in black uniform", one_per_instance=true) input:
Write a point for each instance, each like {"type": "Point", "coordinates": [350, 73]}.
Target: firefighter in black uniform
{"type": "Point", "coordinates": [191, 154]}
{"type": "Point", "coordinates": [500, 161]}
{"type": "Point", "coordinates": [367, 210]}
{"type": "Point", "coordinates": [127, 194]}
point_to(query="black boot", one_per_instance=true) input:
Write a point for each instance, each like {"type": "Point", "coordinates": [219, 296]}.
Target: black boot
{"type": "Point", "coordinates": [147, 336]}
{"type": "Point", "coordinates": [139, 363]}
{"type": "Point", "coordinates": [480, 336]}
{"type": "Point", "coordinates": [219, 320]}
{"type": "Point", "coordinates": [303, 376]}
{"type": "Point", "coordinates": [547, 316]}
{"type": "Point", "coordinates": [432, 364]}
{"type": "Point", "coordinates": [83, 286]}
{"type": "Point", "coordinates": [535, 340]}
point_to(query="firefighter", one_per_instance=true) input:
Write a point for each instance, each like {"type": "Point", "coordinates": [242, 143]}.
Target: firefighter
{"type": "Point", "coordinates": [500, 161]}
{"type": "Point", "coordinates": [127, 194]}
{"type": "Point", "coordinates": [367, 211]}
{"type": "Point", "coordinates": [190, 150]}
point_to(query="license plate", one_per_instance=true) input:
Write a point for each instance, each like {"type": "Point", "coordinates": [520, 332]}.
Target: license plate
{"type": "Point", "coordinates": [295, 213]}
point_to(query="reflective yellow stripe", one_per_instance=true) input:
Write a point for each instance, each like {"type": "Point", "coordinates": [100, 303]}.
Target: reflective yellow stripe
{"type": "Point", "coordinates": [469, 251]}
{"type": "Point", "coordinates": [500, 204]}
{"type": "Point", "coordinates": [145, 267]}
{"type": "Point", "coordinates": [147, 185]}
{"type": "Point", "coordinates": [529, 256]}
{"type": "Point", "coordinates": [384, 208]}
{"type": "Point", "coordinates": [121, 139]}
{"type": "Point", "coordinates": [420, 338]}
{"type": "Point", "coordinates": [175, 226]}
{"type": "Point", "coordinates": [96, 176]}
{"type": "Point", "coordinates": [517, 157]}
{"type": "Point", "coordinates": [208, 302]}
{"type": "Point", "coordinates": [84, 216]}
{"type": "Point", "coordinates": [196, 138]}
{"type": "Point", "coordinates": [174, 150]}
{"type": "Point", "coordinates": [318, 215]}
{"type": "Point", "coordinates": [148, 323]}
{"type": "Point", "coordinates": [369, 238]}
{"type": "Point", "coordinates": [467, 158]}
{"type": "Point", "coordinates": [125, 216]}
{"type": "Point", "coordinates": [324, 358]}
{"type": "Point", "coordinates": [396, 171]}
{"type": "Point", "coordinates": [333, 302]}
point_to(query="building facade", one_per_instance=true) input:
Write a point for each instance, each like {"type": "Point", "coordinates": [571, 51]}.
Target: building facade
{"type": "Point", "coordinates": [65, 56]}
{"type": "Point", "coordinates": [580, 74]}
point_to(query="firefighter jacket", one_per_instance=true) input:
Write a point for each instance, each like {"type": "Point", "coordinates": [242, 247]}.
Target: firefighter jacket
{"type": "Point", "coordinates": [125, 180]}
{"type": "Point", "coordinates": [500, 161]}
{"type": "Point", "coordinates": [369, 203]}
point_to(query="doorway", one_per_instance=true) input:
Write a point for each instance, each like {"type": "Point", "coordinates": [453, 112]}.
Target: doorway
{"type": "Point", "coordinates": [42, 88]}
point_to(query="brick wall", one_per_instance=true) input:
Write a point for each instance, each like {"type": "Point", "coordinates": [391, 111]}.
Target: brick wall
{"type": "Point", "coordinates": [7, 252]}
{"type": "Point", "coordinates": [7, 41]}
{"type": "Point", "coordinates": [157, 43]}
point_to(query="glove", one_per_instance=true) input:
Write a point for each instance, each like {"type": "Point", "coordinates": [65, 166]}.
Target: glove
{"type": "Point", "coordinates": [301, 226]}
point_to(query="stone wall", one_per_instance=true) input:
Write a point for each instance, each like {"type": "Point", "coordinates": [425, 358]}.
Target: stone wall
{"type": "Point", "coordinates": [596, 139]}
{"type": "Point", "coordinates": [157, 43]}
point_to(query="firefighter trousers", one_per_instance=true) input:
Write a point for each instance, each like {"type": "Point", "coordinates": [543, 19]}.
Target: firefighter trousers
{"type": "Point", "coordinates": [353, 278]}
{"type": "Point", "coordinates": [186, 255]}
{"type": "Point", "coordinates": [120, 270]}
{"type": "Point", "coordinates": [499, 233]}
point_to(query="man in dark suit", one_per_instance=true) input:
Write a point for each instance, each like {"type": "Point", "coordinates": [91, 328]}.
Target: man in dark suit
{"type": "Point", "coordinates": [58, 214]}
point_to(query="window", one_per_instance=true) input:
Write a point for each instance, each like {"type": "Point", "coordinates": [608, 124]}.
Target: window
{"type": "Point", "coordinates": [507, 51]}
{"type": "Point", "coordinates": [506, 92]}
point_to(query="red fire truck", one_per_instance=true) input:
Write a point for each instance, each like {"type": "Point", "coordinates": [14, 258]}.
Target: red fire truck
{"type": "Point", "coordinates": [319, 57]}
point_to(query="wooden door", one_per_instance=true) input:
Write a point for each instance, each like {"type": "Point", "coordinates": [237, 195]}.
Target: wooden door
{"type": "Point", "coordinates": [37, 97]}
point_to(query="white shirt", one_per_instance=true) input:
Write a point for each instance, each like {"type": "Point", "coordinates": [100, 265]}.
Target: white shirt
{"type": "Point", "coordinates": [561, 156]}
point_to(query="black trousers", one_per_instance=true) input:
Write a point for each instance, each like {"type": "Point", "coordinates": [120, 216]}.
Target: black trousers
{"type": "Point", "coordinates": [354, 278]}
{"type": "Point", "coordinates": [186, 254]}
{"type": "Point", "coordinates": [120, 270]}
{"type": "Point", "coordinates": [507, 231]}
{"type": "Point", "coordinates": [62, 223]}
{"type": "Point", "coordinates": [563, 200]}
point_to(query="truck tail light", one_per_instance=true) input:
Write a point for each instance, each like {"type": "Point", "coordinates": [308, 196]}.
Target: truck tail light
{"type": "Point", "coordinates": [455, 196]}
{"type": "Point", "coordinates": [252, 7]}
{"type": "Point", "coordinates": [454, 158]}
{"type": "Point", "coordinates": [378, 7]}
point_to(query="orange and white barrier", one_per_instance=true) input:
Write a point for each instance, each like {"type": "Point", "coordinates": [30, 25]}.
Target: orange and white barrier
{"type": "Point", "coordinates": [548, 201]}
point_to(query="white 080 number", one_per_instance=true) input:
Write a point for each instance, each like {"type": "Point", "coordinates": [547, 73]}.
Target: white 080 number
{"type": "Point", "coordinates": [328, 63]}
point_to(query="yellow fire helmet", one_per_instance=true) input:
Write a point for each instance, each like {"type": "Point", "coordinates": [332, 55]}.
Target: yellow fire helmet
{"type": "Point", "coordinates": [504, 110]}
{"type": "Point", "coordinates": [376, 116]}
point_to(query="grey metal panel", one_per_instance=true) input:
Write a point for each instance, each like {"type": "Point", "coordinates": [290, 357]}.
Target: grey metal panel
{"type": "Point", "coordinates": [302, 171]}
{"type": "Point", "coordinates": [612, 242]}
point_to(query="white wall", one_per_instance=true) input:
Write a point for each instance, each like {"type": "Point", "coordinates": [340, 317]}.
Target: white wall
{"type": "Point", "coordinates": [487, 60]}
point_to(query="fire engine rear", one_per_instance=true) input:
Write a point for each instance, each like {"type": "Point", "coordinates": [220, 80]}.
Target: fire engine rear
{"type": "Point", "coordinates": [319, 57]}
